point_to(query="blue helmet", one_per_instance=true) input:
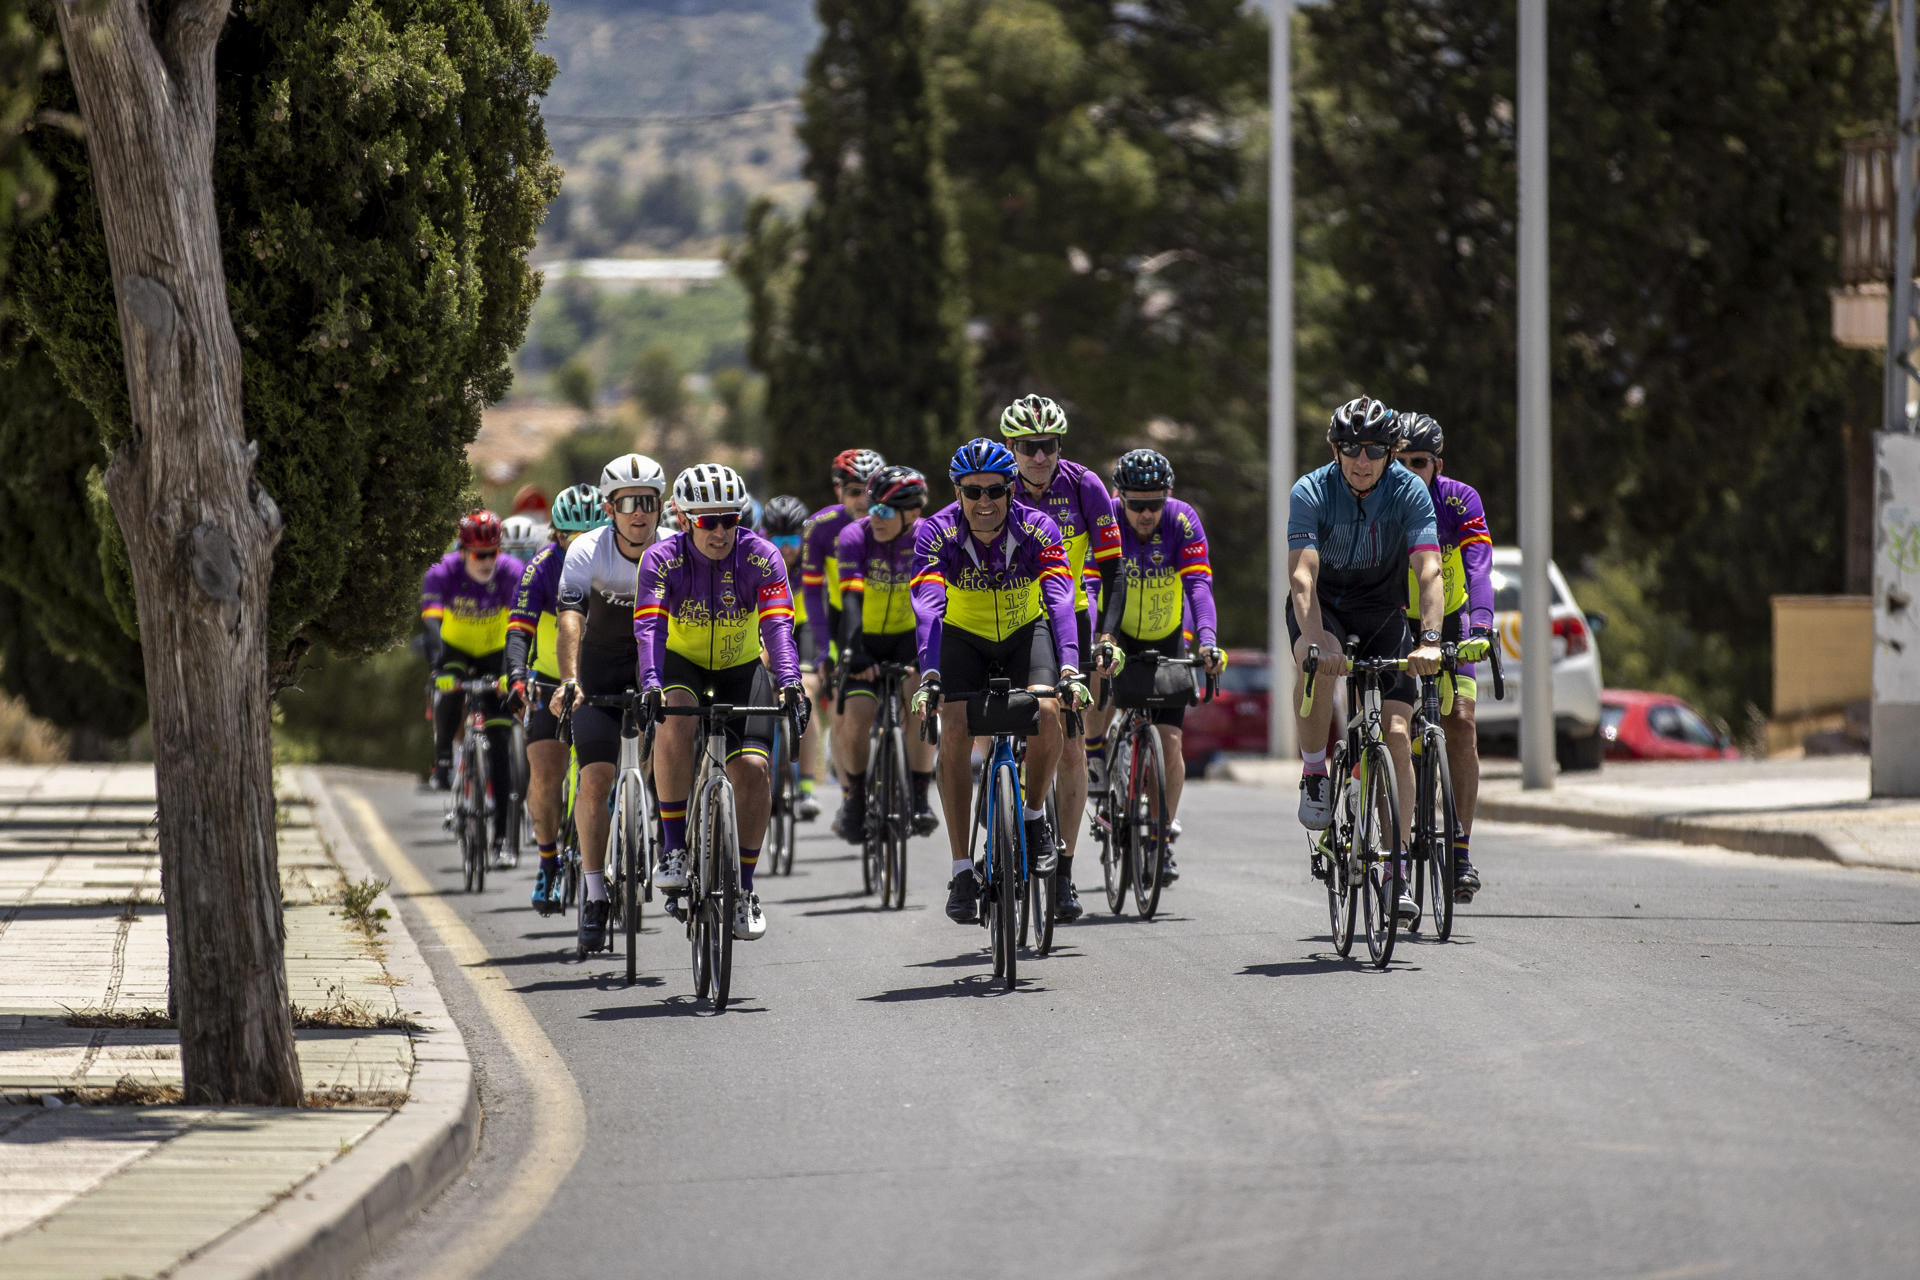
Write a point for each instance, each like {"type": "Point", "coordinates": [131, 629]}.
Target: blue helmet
{"type": "Point", "coordinates": [981, 456]}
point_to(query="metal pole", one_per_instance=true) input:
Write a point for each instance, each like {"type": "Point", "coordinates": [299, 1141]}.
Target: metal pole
{"type": "Point", "coordinates": [1900, 313]}
{"type": "Point", "coordinates": [1535, 421]}
{"type": "Point", "coordinates": [1280, 461]}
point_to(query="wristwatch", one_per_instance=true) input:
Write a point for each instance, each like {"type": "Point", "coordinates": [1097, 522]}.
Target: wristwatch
{"type": "Point", "coordinates": [1429, 637]}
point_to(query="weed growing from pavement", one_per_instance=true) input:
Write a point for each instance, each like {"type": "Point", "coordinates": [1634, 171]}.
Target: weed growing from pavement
{"type": "Point", "coordinates": [341, 1095]}
{"type": "Point", "coordinates": [356, 904]}
{"type": "Point", "coordinates": [119, 1019]}
{"type": "Point", "coordinates": [343, 1012]}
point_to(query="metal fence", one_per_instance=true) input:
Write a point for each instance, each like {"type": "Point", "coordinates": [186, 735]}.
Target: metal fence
{"type": "Point", "coordinates": [1867, 212]}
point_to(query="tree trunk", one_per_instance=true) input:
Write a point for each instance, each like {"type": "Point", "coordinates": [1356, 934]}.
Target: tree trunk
{"type": "Point", "coordinates": [200, 534]}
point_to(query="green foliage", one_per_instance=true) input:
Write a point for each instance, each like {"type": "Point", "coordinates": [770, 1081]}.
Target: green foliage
{"type": "Point", "coordinates": [1646, 647]}
{"type": "Point", "coordinates": [876, 342]}
{"type": "Point", "coordinates": [67, 653]}
{"type": "Point", "coordinates": [26, 55]}
{"type": "Point", "coordinates": [381, 169]}
{"type": "Point", "coordinates": [743, 401]}
{"type": "Point", "coordinates": [659, 384]}
{"type": "Point", "coordinates": [575, 383]}
{"type": "Point", "coordinates": [577, 457]}
{"type": "Point", "coordinates": [368, 711]}
{"type": "Point", "coordinates": [704, 326]}
{"type": "Point", "coordinates": [1698, 397]}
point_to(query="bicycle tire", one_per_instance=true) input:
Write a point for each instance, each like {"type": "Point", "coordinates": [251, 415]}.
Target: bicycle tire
{"type": "Point", "coordinates": [723, 844]}
{"type": "Point", "coordinates": [899, 821]}
{"type": "Point", "coordinates": [1116, 859]}
{"type": "Point", "coordinates": [476, 803]}
{"type": "Point", "coordinates": [1442, 868]}
{"type": "Point", "coordinates": [869, 841]}
{"type": "Point", "coordinates": [626, 835]}
{"type": "Point", "coordinates": [786, 802]}
{"type": "Point", "coordinates": [873, 840]}
{"type": "Point", "coordinates": [1379, 831]}
{"type": "Point", "coordinates": [1341, 901]}
{"type": "Point", "coordinates": [1043, 891]}
{"type": "Point", "coordinates": [1147, 814]}
{"type": "Point", "coordinates": [1006, 853]}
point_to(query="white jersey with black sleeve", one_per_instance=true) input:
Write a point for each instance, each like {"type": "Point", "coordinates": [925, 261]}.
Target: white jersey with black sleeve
{"type": "Point", "coordinates": [599, 581]}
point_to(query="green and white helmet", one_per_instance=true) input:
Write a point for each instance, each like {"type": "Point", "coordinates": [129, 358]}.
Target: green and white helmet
{"type": "Point", "coordinates": [577, 510]}
{"type": "Point", "coordinates": [1033, 416]}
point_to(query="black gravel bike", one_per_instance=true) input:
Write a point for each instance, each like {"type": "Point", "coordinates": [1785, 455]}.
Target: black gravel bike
{"type": "Point", "coordinates": [883, 851]}
{"type": "Point", "coordinates": [1130, 818]}
{"type": "Point", "coordinates": [1356, 855]}
{"type": "Point", "coordinates": [475, 792]}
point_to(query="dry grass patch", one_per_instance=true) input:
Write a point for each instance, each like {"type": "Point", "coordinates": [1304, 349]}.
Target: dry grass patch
{"type": "Point", "coordinates": [119, 1019]}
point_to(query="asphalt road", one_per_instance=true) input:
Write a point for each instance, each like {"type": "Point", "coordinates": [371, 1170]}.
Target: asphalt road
{"type": "Point", "coordinates": [1632, 1060]}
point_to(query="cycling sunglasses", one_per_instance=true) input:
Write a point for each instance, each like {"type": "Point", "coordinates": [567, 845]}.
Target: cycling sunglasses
{"type": "Point", "coordinates": [1374, 451]}
{"type": "Point", "coordinates": [633, 502]}
{"type": "Point", "coordinates": [716, 520]}
{"type": "Point", "coordinates": [991, 492]}
{"type": "Point", "coordinates": [886, 511]}
{"type": "Point", "coordinates": [1418, 461]}
{"type": "Point", "coordinates": [1145, 504]}
{"type": "Point", "coordinates": [484, 555]}
{"type": "Point", "coordinates": [787, 541]}
{"type": "Point", "coordinates": [1034, 445]}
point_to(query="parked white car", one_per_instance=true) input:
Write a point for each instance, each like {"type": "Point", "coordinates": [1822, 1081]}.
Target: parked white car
{"type": "Point", "coordinates": [1576, 669]}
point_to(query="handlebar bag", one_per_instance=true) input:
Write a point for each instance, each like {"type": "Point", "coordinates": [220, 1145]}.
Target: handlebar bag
{"type": "Point", "coordinates": [1151, 685]}
{"type": "Point", "coordinates": [1017, 712]}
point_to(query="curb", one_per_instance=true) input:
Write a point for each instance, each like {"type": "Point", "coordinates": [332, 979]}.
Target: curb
{"type": "Point", "coordinates": [1767, 842]}
{"type": "Point", "coordinates": [332, 1223]}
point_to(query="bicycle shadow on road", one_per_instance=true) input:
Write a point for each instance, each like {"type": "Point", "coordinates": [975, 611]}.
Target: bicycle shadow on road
{"type": "Point", "coordinates": [608, 981]}
{"type": "Point", "coordinates": [680, 1006]}
{"type": "Point", "coordinates": [970, 985]}
{"type": "Point", "coordinates": [865, 909]}
{"type": "Point", "coordinates": [1321, 962]}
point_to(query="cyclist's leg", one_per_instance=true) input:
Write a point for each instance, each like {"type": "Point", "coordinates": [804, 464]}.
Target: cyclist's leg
{"type": "Point", "coordinates": [1312, 729]}
{"type": "Point", "coordinates": [1463, 740]}
{"type": "Point", "coordinates": [1070, 777]}
{"type": "Point", "coordinates": [596, 739]}
{"type": "Point", "coordinates": [749, 750]}
{"type": "Point", "coordinates": [965, 663]}
{"type": "Point", "coordinates": [449, 709]}
{"type": "Point", "coordinates": [500, 760]}
{"type": "Point", "coordinates": [855, 722]}
{"type": "Point", "coordinates": [546, 775]}
{"type": "Point", "coordinates": [809, 753]}
{"type": "Point", "coordinates": [919, 753]}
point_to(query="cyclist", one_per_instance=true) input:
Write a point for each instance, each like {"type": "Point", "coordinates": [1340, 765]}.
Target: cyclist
{"type": "Point", "coordinates": [993, 595]}
{"type": "Point", "coordinates": [598, 657]}
{"type": "Point", "coordinates": [783, 523]}
{"type": "Point", "coordinates": [875, 555]}
{"type": "Point", "coordinates": [464, 603]}
{"type": "Point", "coordinates": [1466, 575]}
{"type": "Point", "coordinates": [1074, 499]}
{"type": "Point", "coordinates": [533, 630]}
{"type": "Point", "coordinates": [712, 599]}
{"type": "Point", "coordinates": [1165, 576]}
{"type": "Point", "coordinates": [1354, 527]}
{"type": "Point", "coordinates": [820, 587]}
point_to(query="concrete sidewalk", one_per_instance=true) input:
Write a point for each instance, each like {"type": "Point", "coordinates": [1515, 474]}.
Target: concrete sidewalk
{"type": "Point", "coordinates": [1817, 807]}
{"type": "Point", "coordinates": [99, 1175]}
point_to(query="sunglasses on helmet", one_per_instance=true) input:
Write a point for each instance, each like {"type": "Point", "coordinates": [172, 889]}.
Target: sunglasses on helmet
{"type": "Point", "coordinates": [990, 492]}
{"type": "Point", "coordinates": [629, 503]}
{"type": "Point", "coordinates": [715, 520]}
{"type": "Point", "coordinates": [1374, 451]}
{"type": "Point", "coordinates": [1033, 446]}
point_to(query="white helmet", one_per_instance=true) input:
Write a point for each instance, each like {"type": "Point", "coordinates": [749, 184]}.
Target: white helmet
{"type": "Point", "coordinates": [522, 536]}
{"type": "Point", "coordinates": [634, 471]}
{"type": "Point", "coordinates": [710, 487]}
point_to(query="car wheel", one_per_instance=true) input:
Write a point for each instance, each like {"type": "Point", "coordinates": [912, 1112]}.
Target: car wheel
{"type": "Point", "coordinates": [1580, 755]}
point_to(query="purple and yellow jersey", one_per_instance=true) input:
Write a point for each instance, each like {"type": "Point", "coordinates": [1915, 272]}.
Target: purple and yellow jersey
{"type": "Point", "coordinates": [819, 563]}
{"type": "Point", "coordinates": [714, 613]}
{"type": "Point", "coordinates": [1168, 576]}
{"type": "Point", "coordinates": [881, 574]}
{"type": "Point", "coordinates": [1466, 554]}
{"type": "Point", "coordinates": [472, 615]}
{"type": "Point", "coordinates": [991, 590]}
{"type": "Point", "coordinates": [535, 607]}
{"type": "Point", "coordinates": [1082, 509]}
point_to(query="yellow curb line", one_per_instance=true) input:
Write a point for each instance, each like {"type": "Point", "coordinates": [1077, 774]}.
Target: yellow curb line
{"type": "Point", "coordinates": [559, 1116]}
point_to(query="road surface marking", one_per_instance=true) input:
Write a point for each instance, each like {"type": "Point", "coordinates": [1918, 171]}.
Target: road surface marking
{"type": "Point", "coordinates": [559, 1117]}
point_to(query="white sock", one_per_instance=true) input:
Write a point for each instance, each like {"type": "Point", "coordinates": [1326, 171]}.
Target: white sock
{"type": "Point", "coordinates": [596, 886]}
{"type": "Point", "coordinates": [1314, 757]}
{"type": "Point", "coordinates": [962, 865]}
{"type": "Point", "coordinates": [1032, 814]}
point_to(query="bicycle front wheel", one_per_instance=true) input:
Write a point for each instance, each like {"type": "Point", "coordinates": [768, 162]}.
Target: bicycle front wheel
{"type": "Point", "coordinates": [1342, 899]}
{"type": "Point", "coordinates": [1146, 814]}
{"type": "Point", "coordinates": [1003, 887]}
{"type": "Point", "coordinates": [629, 834]}
{"type": "Point", "coordinates": [474, 802]}
{"type": "Point", "coordinates": [899, 811]}
{"type": "Point", "coordinates": [1379, 830]}
{"type": "Point", "coordinates": [723, 893]}
{"type": "Point", "coordinates": [1438, 814]}
{"type": "Point", "coordinates": [780, 817]}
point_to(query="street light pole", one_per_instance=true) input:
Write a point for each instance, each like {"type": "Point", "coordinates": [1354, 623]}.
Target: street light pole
{"type": "Point", "coordinates": [1535, 412]}
{"type": "Point", "coordinates": [1280, 462]}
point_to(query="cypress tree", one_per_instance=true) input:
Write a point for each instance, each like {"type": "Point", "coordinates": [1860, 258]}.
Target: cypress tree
{"type": "Point", "coordinates": [875, 351]}
{"type": "Point", "coordinates": [380, 170]}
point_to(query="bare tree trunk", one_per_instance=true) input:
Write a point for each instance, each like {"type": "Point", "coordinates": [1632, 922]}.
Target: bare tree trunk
{"type": "Point", "coordinates": [200, 532]}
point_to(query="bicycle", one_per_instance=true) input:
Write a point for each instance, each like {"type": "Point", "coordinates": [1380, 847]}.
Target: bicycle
{"type": "Point", "coordinates": [783, 819]}
{"type": "Point", "coordinates": [1039, 895]}
{"type": "Point", "coordinates": [1130, 817]}
{"type": "Point", "coordinates": [883, 852]}
{"type": "Point", "coordinates": [1362, 877]}
{"type": "Point", "coordinates": [1003, 714]}
{"type": "Point", "coordinates": [633, 823]}
{"type": "Point", "coordinates": [713, 847]}
{"type": "Point", "coordinates": [470, 808]}
{"type": "Point", "coordinates": [1435, 819]}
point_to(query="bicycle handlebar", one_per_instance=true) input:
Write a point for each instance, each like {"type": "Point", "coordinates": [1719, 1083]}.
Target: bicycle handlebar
{"type": "Point", "coordinates": [1156, 659]}
{"type": "Point", "coordinates": [898, 670]}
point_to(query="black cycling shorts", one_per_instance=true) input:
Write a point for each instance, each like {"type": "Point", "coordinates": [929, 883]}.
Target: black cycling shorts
{"type": "Point", "coordinates": [1026, 657]}
{"type": "Point", "coordinates": [806, 645]}
{"type": "Point", "coordinates": [749, 684]}
{"type": "Point", "coordinates": [542, 724]}
{"type": "Point", "coordinates": [1171, 646]}
{"type": "Point", "coordinates": [1383, 634]}
{"type": "Point", "coordinates": [901, 647]}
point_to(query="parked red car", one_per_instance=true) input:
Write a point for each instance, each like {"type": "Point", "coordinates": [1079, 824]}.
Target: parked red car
{"type": "Point", "coordinates": [1638, 725]}
{"type": "Point", "coordinates": [1236, 720]}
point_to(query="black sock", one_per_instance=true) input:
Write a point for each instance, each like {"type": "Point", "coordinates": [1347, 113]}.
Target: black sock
{"type": "Point", "coordinates": [921, 782]}
{"type": "Point", "coordinates": [1066, 869]}
{"type": "Point", "coordinates": [857, 789]}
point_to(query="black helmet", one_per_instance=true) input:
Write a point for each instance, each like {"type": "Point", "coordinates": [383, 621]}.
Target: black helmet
{"type": "Point", "coordinates": [1364, 421]}
{"type": "Point", "coordinates": [1422, 434]}
{"type": "Point", "coordinates": [783, 517]}
{"type": "Point", "coordinates": [1142, 469]}
{"type": "Point", "coordinates": [897, 486]}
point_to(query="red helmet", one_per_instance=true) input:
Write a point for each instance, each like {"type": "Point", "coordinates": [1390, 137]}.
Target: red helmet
{"type": "Point", "coordinates": [480, 532]}
{"type": "Point", "coordinates": [856, 464]}
{"type": "Point", "coordinates": [531, 500]}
